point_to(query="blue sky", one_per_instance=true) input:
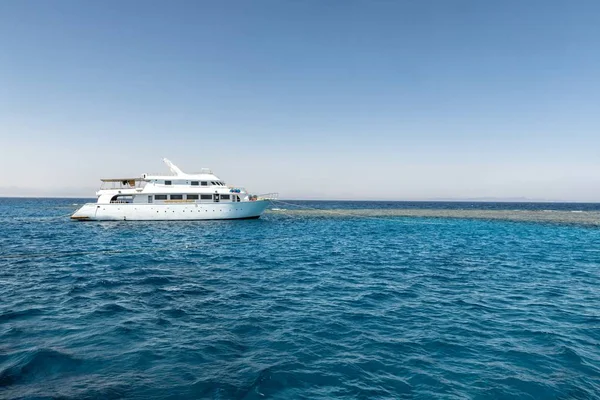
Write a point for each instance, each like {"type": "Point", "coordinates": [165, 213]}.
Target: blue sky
{"type": "Point", "coordinates": [396, 100]}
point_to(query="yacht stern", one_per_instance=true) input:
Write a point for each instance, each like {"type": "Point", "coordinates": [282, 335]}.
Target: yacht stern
{"type": "Point", "coordinates": [87, 212]}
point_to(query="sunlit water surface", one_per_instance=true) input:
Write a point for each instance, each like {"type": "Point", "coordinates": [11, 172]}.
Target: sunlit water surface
{"type": "Point", "coordinates": [302, 303]}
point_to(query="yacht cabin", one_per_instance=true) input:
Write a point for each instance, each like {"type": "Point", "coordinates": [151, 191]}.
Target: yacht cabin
{"type": "Point", "coordinates": [203, 187]}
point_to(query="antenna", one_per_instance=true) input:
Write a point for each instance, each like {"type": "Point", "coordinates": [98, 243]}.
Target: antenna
{"type": "Point", "coordinates": [174, 169]}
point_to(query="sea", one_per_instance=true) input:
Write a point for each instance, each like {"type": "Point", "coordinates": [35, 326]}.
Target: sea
{"type": "Point", "coordinates": [314, 300]}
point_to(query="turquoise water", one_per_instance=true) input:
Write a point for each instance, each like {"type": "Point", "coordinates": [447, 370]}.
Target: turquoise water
{"type": "Point", "coordinates": [299, 305]}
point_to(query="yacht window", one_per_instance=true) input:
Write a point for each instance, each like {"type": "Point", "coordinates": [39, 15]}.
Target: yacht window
{"type": "Point", "coordinates": [212, 183]}
{"type": "Point", "coordinates": [192, 197]}
{"type": "Point", "coordinates": [206, 196]}
{"type": "Point", "coordinates": [167, 182]}
{"type": "Point", "coordinates": [176, 197]}
{"type": "Point", "coordinates": [122, 198]}
{"type": "Point", "coordinates": [195, 183]}
{"type": "Point", "coordinates": [203, 183]}
{"type": "Point", "coordinates": [224, 197]}
{"type": "Point", "coordinates": [149, 199]}
{"type": "Point", "coordinates": [160, 197]}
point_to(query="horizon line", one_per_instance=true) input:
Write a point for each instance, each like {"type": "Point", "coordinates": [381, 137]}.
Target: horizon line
{"type": "Point", "coordinates": [434, 200]}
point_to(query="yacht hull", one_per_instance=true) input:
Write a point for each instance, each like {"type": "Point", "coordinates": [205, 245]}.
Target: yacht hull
{"type": "Point", "coordinates": [170, 212]}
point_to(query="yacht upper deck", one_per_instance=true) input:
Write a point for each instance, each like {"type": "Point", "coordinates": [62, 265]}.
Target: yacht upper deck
{"type": "Point", "coordinates": [177, 186]}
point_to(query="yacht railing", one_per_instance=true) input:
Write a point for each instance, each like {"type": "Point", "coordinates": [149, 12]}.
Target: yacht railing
{"type": "Point", "coordinates": [267, 196]}
{"type": "Point", "coordinates": [158, 174]}
{"type": "Point", "coordinates": [112, 185]}
{"type": "Point", "coordinates": [202, 171]}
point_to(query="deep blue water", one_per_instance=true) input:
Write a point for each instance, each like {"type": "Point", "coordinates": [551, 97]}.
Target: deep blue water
{"type": "Point", "coordinates": [292, 306]}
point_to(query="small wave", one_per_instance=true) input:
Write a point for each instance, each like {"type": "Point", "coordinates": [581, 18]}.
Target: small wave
{"type": "Point", "coordinates": [37, 364]}
{"type": "Point", "coordinates": [155, 280]}
{"type": "Point", "coordinates": [12, 315]}
{"type": "Point", "coordinates": [109, 309]}
{"type": "Point", "coordinates": [175, 313]}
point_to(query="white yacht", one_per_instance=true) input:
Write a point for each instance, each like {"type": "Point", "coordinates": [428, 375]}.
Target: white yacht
{"type": "Point", "coordinates": [178, 196]}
